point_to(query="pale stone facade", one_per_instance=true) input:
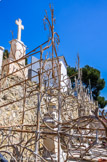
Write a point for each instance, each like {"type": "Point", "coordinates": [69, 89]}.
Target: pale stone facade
{"type": "Point", "coordinates": [1, 58]}
{"type": "Point", "coordinates": [11, 110]}
{"type": "Point", "coordinates": [16, 62]}
{"type": "Point", "coordinates": [65, 81]}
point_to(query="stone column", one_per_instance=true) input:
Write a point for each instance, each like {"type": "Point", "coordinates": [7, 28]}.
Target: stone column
{"type": "Point", "coordinates": [1, 58]}
{"type": "Point", "coordinates": [50, 142]}
{"type": "Point", "coordinates": [17, 51]}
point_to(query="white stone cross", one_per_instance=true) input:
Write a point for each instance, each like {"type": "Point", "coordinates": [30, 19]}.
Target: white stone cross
{"type": "Point", "coordinates": [20, 26]}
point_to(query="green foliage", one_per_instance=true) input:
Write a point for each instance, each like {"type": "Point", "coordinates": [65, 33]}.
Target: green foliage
{"type": "Point", "coordinates": [6, 54]}
{"type": "Point", "coordinates": [71, 71]}
{"type": "Point", "coordinates": [102, 102]}
{"type": "Point", "coordinates": [26, 61]}
{"type": "Point", "coordinates": [97, 84]}
{"type": "Point", "coordinates": [92, 74]}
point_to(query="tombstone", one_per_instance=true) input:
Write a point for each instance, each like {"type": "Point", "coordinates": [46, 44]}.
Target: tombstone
{"type": "Point", "coordinates": [17, 51]}
{"type": "Point", "coordinates": [1, 58]}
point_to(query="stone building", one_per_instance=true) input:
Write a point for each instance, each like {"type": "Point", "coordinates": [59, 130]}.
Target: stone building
{"type": "Point", "coordinates": [65, 81]}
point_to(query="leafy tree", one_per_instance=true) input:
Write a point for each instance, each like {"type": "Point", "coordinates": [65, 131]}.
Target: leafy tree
{"type": "Point", "coordinates": [6, 54]}
{"type": "Point", "coordinates": [71, 71]}
{"type": "Point", "coordinates": [102, 102]}
{"type": "Point", "coordinates": [26, 61]}
{"type": "Point", "coordinates": [97, 84]}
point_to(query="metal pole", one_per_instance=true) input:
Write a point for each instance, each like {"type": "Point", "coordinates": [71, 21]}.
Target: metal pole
{"type": "Point", "coordinates": [59, 110]}
{"type": "Point", "coordinates": [37, 128]}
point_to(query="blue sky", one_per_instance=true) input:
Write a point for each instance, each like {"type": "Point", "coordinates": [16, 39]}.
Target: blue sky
{"type": "Point", "coordinates": [81, 25]}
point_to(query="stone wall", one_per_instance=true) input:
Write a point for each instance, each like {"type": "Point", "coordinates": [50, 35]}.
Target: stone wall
{"type": "Point", "coordinates": [18, 111]}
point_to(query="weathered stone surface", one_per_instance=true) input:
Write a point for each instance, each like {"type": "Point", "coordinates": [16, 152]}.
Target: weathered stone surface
{"type": "Point", "coordinates": [23, 98]}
